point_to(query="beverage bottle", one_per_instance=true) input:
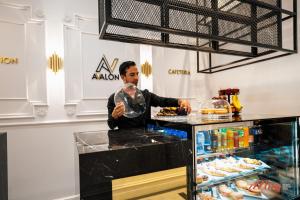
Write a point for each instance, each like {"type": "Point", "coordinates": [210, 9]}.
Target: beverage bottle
{"type": "Point", "coordinates": [230, 139]}
{"type": "Point", "coordinates": [235, 139]}
{"type": "Point", "coordinates": [246, 136]}
{"type": "Point", "coordinates": [241, 137]}
{"type": "Point", "coordinates": [223, 138]}
{"type": "Point", "coordinates": [207, 142]}
{"type": "Point", "coordinates": [219, 136]}
{"type": "Point", "coordinates": [214, 141]}
{"type": "Point", "coordinates": [251, 140]}
{"type": "Point", "coordinates": [200, 143]}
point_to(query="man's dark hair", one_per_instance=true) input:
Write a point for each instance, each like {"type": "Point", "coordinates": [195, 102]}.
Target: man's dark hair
{"type": "Point", "coordinates": [124, 66]}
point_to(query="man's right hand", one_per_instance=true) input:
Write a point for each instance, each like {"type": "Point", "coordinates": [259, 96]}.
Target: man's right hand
{"type": "Point", "coordinates": [118, 110]}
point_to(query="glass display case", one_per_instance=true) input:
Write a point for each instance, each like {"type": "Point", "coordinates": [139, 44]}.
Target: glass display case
{"type": "Point", "coordinates": [250, 157]}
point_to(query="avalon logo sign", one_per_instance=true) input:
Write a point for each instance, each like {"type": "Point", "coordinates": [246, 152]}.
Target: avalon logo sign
{"type": "Point", "coordinates": [105, 71]}
{"type": "Point", "coordinates": [7, 60]}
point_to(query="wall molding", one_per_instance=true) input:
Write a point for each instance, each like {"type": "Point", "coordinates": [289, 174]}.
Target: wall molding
{"type": "Point", "coordinates": [53, 122]}
{"type": "Point", "coordinates": [16, 116]}
{"type": "Point", "coordinates": [16, 6]}
{"type": "Point", "coordinates": [80, 104]}
{"type": "Point", "coordinates": [34, 101]}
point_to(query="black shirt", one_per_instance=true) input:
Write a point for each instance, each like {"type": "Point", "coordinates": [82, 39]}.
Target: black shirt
{"type": "Point", "coordinates": [151, 100]}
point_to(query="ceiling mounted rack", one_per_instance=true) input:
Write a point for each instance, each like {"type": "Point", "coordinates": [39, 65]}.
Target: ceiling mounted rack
{"type": "Point", "coordinates": [248, 28]}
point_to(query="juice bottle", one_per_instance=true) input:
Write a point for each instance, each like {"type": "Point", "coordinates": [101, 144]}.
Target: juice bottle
{"type": "Point", "coordinates": [251, 140]}
{"type": "Point", "coordinates": [246, 136]}
{"type": "Point", "coordinates": [241, 137]}
{"type": "Point", "coordinates": [214, 141]}
{"type": "Point", "coordinates": [223, 138]}
{"type": "Point", "coordinates": [200, 143]}
{"type": "Point", "coordinates": [235, 139]}
{"type": "Point", "coordinates": [230, 143]}
{"type": "Point", "coordinates": [219, 141]}
{"type": "Point", "coordinates": [207, 142]}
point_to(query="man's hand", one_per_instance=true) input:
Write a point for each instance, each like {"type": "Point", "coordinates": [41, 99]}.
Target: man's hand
{"type": "Point", "coordinates": [118, 110]}
{"type": "Point", "coordinates": [185, 104]}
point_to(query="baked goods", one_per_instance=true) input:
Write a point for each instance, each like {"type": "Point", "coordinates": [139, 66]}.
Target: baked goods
{"type": "Point", "coordinates": [221, 111]}
{"type": "Point", "coordinates": [168, 111]}
{"type": "Point", "coordinates": [207, 111]}
{"type": "Point", "coordinates": [244, 166]}
{"type": "Point", "coordinates": [213, 172]}
{"type": "Point", "coordinates": [227, 169]}
{"type": "Point", "coordinates": [230, 160]}
{"type": "Point", "coordinates": [236, 196]}
{"type": "Point", "coordinates": [241, 184]}
{"type": "Point", "coordinates": [224, 190]}
{"type": "Point", "coordinates": [252, 161]}
{"type": "Point", "coordinates": [201, 179]}
{"type": "Point", "coordinates": [204, 177]}
{"type": "Point", "coordinates": [268, 188]}
{"type": "Point", "coordinates": [172, 111]}
{"type": "Point", "coordinates": [214, 111]}
{"type": "Point", "coordinates": [252, 190]}
{"type": "Point", "coordinates": [228, 192]}
{"type": "Point", "coordinates": [204, 196]}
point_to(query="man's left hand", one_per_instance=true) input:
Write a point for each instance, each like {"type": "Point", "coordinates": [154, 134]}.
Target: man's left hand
{"type": "Point", "coordinates": [185, 104]}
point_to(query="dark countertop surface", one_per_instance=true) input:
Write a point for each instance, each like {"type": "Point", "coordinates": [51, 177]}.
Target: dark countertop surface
{"type": "Point", "coordinates": [198, 119]}
{"type": "Point", "coordinates": [108, 155]}
{"type": "Point", "coordinates": [110, 140]}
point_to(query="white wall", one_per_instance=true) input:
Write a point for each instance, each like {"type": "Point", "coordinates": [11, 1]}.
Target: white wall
{"type": "Point", "coordinates": [42, 160]}
{"type": "Point", "coordinates": [41, 152]}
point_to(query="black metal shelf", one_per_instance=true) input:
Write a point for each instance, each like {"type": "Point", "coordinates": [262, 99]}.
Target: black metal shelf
{"type": "Point", "coordinates": [200, 25]}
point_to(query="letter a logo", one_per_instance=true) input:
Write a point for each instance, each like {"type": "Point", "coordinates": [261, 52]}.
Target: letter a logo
{"type": "Point", "coordinates": [105, 65]}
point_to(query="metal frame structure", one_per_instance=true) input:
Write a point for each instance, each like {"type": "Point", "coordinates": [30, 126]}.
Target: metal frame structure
{"type": "Point", "coordinates": [201, 25]}
{"type": "Point", "coordinates": [264, 56]}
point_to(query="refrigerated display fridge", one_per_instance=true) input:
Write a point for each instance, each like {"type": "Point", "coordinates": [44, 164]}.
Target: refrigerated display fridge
{"type": "Point", "coordinates": [249, 157]}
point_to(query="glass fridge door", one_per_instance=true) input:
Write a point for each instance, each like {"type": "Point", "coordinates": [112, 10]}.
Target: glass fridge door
{"type": "Point", "coordinates": [247, 160]}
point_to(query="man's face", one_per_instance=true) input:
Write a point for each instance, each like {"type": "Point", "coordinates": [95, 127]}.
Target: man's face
{"type": "Point", "coordinates": [132, 75]}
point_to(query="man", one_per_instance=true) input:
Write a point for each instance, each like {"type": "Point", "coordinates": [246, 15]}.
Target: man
{"type": "Point", "coordinates": [129, 74]}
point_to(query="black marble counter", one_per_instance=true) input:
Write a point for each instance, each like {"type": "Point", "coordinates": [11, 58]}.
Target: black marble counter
{"type": "Point", "coordinates": [196, 119]}
{"type": "Point", "coordinates": [108, 155]}
{"type": "Point", "coordinates": [3, 167]}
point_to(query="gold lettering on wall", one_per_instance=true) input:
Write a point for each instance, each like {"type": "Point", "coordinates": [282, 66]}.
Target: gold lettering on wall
{"type": "Point", "coordinates": [179, 72]}
{"type": "Point", "coordinates": [8, 60]}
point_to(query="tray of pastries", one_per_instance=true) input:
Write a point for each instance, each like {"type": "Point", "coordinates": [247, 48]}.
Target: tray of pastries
{"type": "Point", "coordinates": [227, 193]}
{"type": "Point", "coordinates": [205, 196]}
{"type": "Point", "coordinates": [172, 111]}
{"type": "Point", "coordinates": [231, 167]}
